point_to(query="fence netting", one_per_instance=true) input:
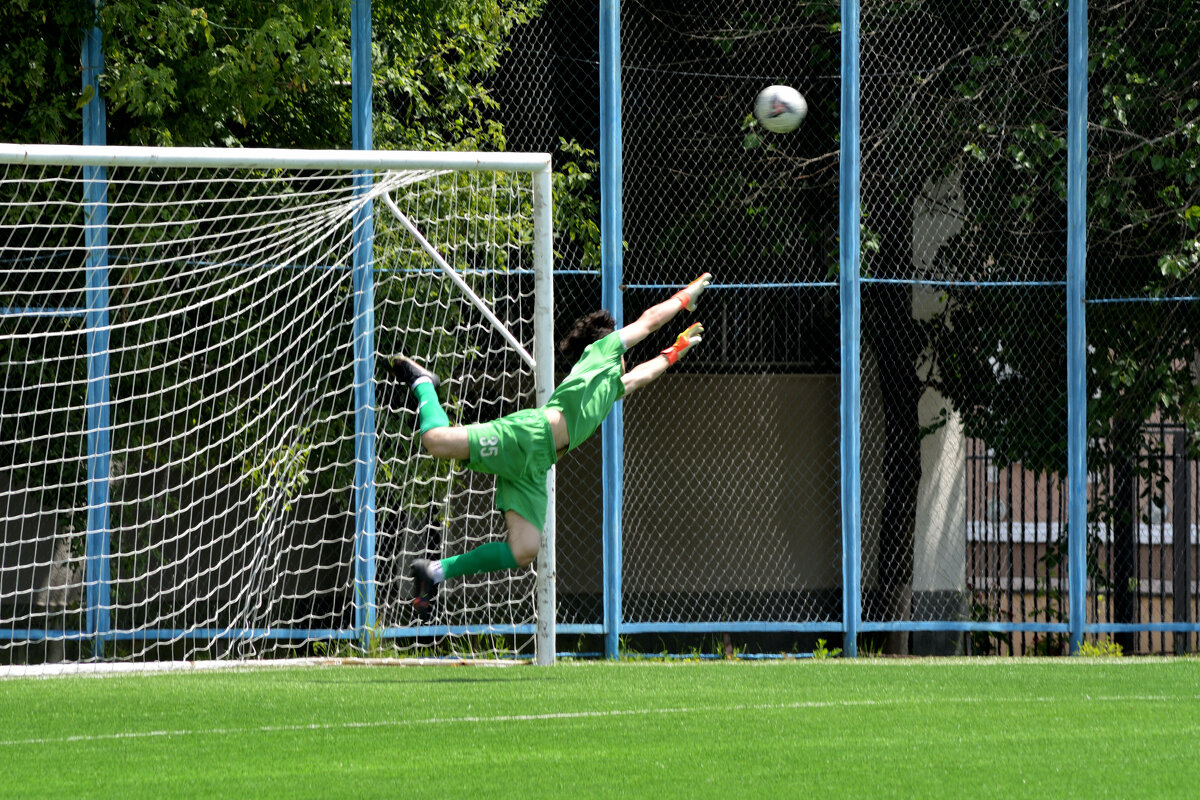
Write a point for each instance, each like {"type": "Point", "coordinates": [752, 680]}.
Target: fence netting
{"type": "Point", "coordinates": [964, 201]}
{"type": "Point", "coordinates": [730, 507]}
{"type": "Point", "coordinates": [547, 90]}
{"type": "Point", "coordinates": [1142, 316]}
{"type": "Point", "coordinates": [963, 316]}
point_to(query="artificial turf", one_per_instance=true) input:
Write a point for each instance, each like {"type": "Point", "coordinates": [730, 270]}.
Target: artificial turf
{"type": "Point", "coordinates": [866, 728]}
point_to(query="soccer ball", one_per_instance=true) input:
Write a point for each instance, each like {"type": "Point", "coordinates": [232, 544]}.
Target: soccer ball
{"type": "Point", "coordinates": [780, 109]}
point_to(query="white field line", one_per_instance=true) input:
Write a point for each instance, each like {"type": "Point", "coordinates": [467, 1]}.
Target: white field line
{"type": "Point", "coordinates": [105, 669]}
{"type": "Point", "coordinates": [574, 715]}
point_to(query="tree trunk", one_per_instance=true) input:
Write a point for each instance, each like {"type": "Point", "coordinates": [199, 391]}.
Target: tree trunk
{"type": "Point", "coordinates": [893, 338]}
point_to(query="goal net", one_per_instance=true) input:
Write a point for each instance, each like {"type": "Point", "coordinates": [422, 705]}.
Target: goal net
{"type": "Point", "coordinates": [201, 453]}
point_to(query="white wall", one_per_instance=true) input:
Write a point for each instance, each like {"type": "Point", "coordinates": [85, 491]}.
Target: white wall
{"type": "Point", "coordinates": [939, 542]}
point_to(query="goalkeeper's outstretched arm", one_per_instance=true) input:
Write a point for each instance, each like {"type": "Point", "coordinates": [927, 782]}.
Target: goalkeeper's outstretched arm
{"type": "Point", "coordinates": [656, 316]}
{"type": "Point", "coordinates": [649, 371]}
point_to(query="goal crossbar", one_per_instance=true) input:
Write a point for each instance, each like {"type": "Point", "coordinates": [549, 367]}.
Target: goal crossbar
{"type": "Point", "coordinates": [249, 157]}
{"type": "Point", "coordinates": [458, 281]}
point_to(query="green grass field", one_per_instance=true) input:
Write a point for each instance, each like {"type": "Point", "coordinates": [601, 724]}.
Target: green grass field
{"type": "Point", "coordinates": [868, 728]}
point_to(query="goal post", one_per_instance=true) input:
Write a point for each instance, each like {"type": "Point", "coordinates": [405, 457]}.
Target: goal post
{"type": "Point", "coordinates": [185, 342]}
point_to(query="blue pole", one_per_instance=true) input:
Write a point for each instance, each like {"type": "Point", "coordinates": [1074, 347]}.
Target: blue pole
{"type": "Point", "coordinates": [98, 594]}
{"type": "Point", "coordinates": [1077, 45]}
{"type": "Point", "coordinates": [612, 432]}
{"type": "Point", "coordinates": [848, 280]}
{"type": "Point", "coordinates": [364, 330]}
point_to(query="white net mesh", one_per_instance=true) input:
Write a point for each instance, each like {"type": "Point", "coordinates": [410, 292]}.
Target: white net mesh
{"type": "Point", "coordinates": [177, 464]}
{"type": "Point", "coordinates": [434, 509]}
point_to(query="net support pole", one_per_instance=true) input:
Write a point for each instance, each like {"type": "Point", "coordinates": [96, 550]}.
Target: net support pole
{"type": "Point", "coordinates": [1077, 46]}
{"type": "Point", "coordinates": [95, 188]}
{"type": "Point", "coordinates": [457, 280]}
{"type": "Point", "coordinates": [850, 299]}
{"type": "Point", "coordinates": [543, 351]}
{"type": "Point", "coordinates": [364, 330]}
{"type": "Point", "coordinates": [612, 432]}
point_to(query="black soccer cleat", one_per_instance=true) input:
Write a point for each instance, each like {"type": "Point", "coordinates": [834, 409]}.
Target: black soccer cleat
{"type": "Point", "coordinates": [424, 588]}
{"type": "Point", "coordinates": [408, 371]}
{"type": "Point", "coordinates": [403, 370]}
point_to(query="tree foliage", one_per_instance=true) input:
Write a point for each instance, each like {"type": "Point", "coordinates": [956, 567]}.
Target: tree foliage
{"type": "Point", "coordinates": [40, 91]}
{"type": "Point", "coordinates": [997, 349]}
{"type": "Point", "coordinates": [242, 73]}
{"type": "Point", "coordinates": [246, 73]}
{"type": "Point", "coordinates": [232, 73]}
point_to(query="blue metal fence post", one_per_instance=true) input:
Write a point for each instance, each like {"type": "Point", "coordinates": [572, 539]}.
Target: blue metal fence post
{"type": "Point", "coordinates": [1077, 45]}
{"type": "Point", "coordinates": [612, 432]}
{"type": "Point", "coordinates": [364, 330]}
{"type": "Point", "coordinates": [95, 189]}
{"type": "Point", "coordinates": [849, 290]}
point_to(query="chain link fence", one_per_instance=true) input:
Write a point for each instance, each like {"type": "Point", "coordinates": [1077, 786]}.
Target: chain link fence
{"type": "Point", "coordinates": [1143, 314]}
{"type": "Point", "coordinates": [730, 509]}
{"type": "Point", "coordinates": [964, 259]}
{"type": "Point", "coordinates": [547, 91]}
{"type": "Point", "coordinates": [730, 473]}
{"type": "Point", "coordinates": [964, 132]}
{"type": "Point", "coordinates": [731, 505]}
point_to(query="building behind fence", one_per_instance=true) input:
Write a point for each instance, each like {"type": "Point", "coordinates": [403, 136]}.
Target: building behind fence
{"type": "Point", "coordinates": [1141, 572]}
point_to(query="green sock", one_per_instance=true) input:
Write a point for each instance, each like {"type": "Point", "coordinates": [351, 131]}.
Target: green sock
{"type": "Point", "coordinates": [488, 557]}
{"type": "Point", "coordinates": [429, 408]}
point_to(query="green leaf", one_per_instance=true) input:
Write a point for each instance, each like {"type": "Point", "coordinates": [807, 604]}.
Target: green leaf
{"type": "Point", "coordinates": [86, 97]}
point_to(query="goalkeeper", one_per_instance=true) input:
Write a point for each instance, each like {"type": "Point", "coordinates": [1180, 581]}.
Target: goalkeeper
{"type": "Point", "coordinates": [520, 448]}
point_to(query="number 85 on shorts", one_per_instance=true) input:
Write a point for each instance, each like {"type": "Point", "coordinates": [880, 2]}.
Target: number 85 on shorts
{"type": "Point", "coordinates": [489, 446]}
{"type": "Point", "coordinates": [519, 444]}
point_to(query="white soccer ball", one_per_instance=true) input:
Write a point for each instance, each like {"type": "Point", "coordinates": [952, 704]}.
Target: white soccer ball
{"type": "Point", "coordinates": [780, 109]}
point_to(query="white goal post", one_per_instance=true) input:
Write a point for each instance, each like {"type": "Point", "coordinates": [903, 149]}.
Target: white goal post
{"type": "Point", "coordinates": [201, 453]}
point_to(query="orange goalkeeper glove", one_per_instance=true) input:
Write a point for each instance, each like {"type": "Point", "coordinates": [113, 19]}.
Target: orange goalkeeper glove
{"type": "Point", "coordinates": [687, 297]}
{"type": "Point", "coordinates": [684, 341]}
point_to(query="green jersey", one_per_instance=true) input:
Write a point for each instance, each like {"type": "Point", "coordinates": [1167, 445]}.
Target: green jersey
{"type": "Point", "coordinates": [519, 448]}
{"type": "Point", "coordinates": [588, 393]}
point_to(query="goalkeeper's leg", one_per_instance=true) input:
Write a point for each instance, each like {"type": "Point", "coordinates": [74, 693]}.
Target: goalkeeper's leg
{"type": "Point", "coordinates": [438, 436]}
{"type": "Point", "coordinates": [442, 440]}
{"type": "Point", "coordinates": [519, 551]}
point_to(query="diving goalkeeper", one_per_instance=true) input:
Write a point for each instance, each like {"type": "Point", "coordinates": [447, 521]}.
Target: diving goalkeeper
{"type": "Point", "coordinates": [520, 448]}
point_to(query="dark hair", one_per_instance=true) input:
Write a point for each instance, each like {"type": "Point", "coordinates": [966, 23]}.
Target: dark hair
{"type": "Point", "coordinates": [587, 329]}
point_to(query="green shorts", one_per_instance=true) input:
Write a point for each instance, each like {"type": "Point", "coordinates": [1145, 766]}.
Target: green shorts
{"type": "Point", "coordinates": [519, 450]}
